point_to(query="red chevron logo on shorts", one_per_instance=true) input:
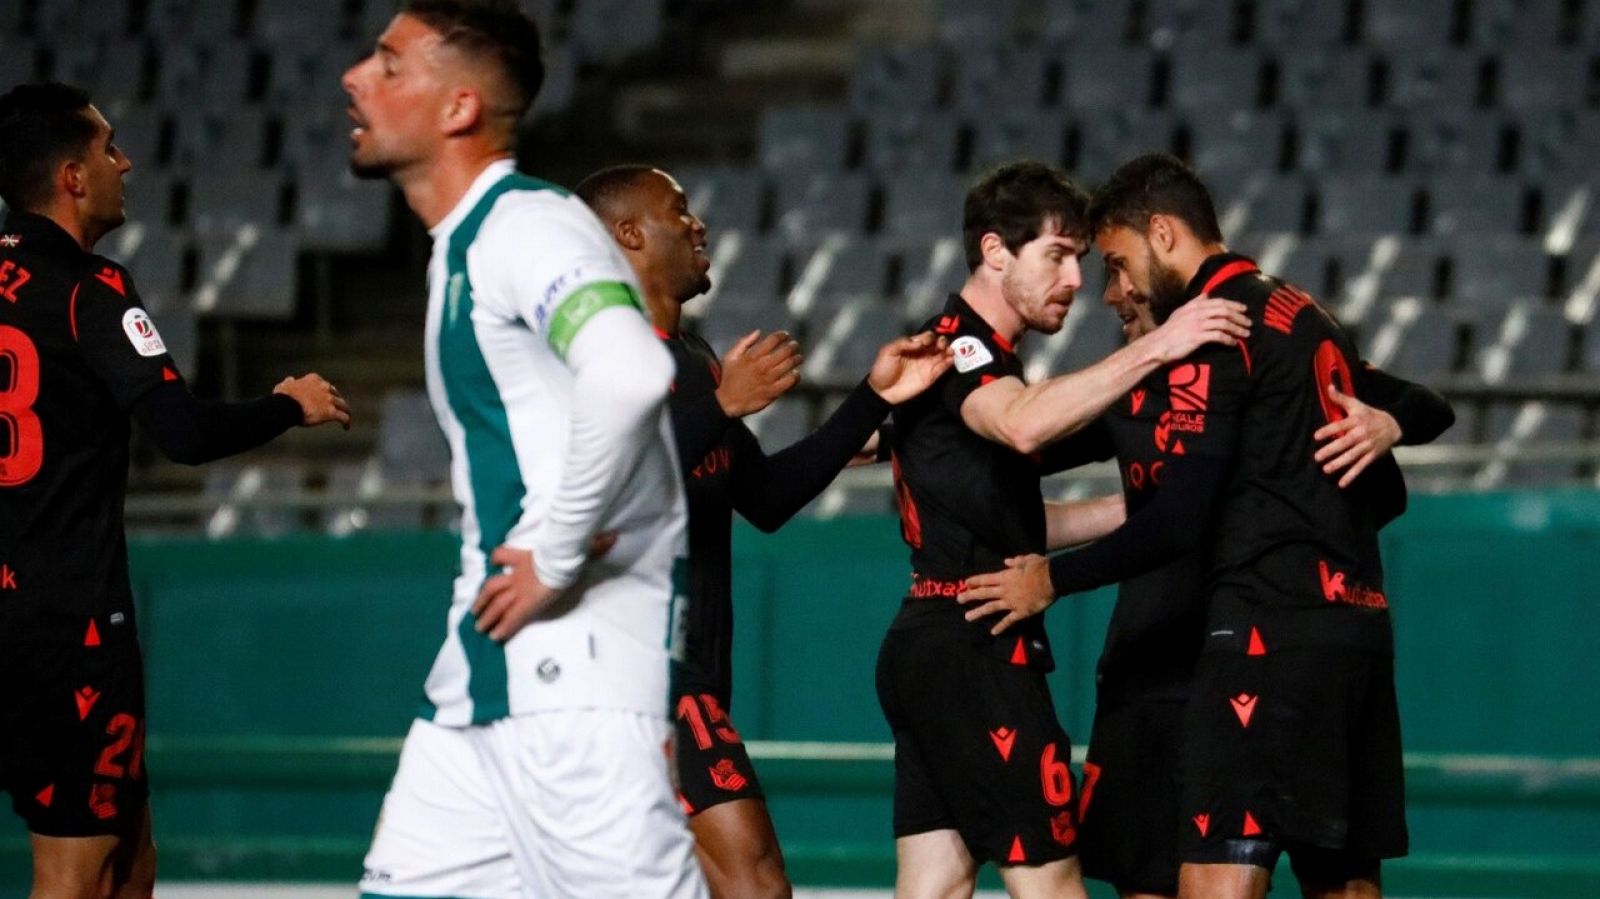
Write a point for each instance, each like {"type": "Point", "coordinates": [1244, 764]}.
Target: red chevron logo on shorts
{"type": "Point", "coordinates": [1257, 646]}
{"type": "Point", "coordinates": [1244, 705]}
{"type": "Point", "coordinates": [1137, 401]}
{"type": "Point", "coordinates": [1017, 855]}
{"type": "Point", "coordinates": [86, 697]}
{"type": "Point", "coordinates": [1003, 739]}
{"type": "Point", "coordinates": [1202, 822]}
{"type": "Point", "coordinates": [46, 796]}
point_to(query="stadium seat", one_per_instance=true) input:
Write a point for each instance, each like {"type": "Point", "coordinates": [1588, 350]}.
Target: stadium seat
{"type": "Point", "coordinates": [1080, 24]}
{"type": "Point", "coordinates": [230, 490]}
{"type": "Point", "coordinates": [996, 76]}
{"type": "Point", "coordinates": [156, 256]}
{"type": "Point", "coordinates": [1532, 340]}
{"type": "Point", "coordinates": [1427, 348]}
{"type": "Point", "coordinates": [1235, 141]}
{"type": "Point", "coordinates": [1351, 141]}
{"type": "Point", "coordinates": [610, 31]}
{"type": "Point", "coordinates": [1452, 79]}
{"type": "Point", "coordinates": [1467, 143]}
{"type": "Point", "coordinates": [1409, 25]}
{"type": "Point", "coordinates": [1109, 138]}
{"type": "Point", "coordinates": [409, 440]}
{"type": "Point", "coordinates": [912, 140]}
{"type": "Point", "coordinates": [902, 77]}
{"type": "Point", "coordinates": [751, 269]}
{"type": "Point", "coordinates": [337, 212]}
{"type": "Point", "coordinates": [845, 351]}
{"type": "Point", "coordinates": [837, 274]}
{"type": "Point", "coordinates": [1031, 134]}
{"type": "Point", "coordinates": [725, 198]}
{"type": "Point", "coordinates": [1305, 23]}
{"type": "Point", "coordinates": [1365, 204]}
{"type": "Point", "coordinates": [247, 272]}
{"type": "Point", "coordinates": [961, 22]}
{"type": "Point", "coordinates": [1493, 271]}
{"type": "Point", "coordinates": [812, 203]}
{"type": "Point", "coordinates": [225, 199]}
{"type": "Point", "coordinates": [802, 140]}
{"type": "Point", "coordinates": [781, 423]}
{"type": "Point", "coordinates": [1480, 205]}
{"type": "Point", "coordinates": [1277, 204]}
{"type": "Point", "coordinates": [1102, 78]}
{"type": "Point", "coordinates": [1317, 78]}
{"type": "Point", "coordinates": [1551, 78]}
{"type": "Point", "coordinates": [929, 273]}
{"type": "Point", "coordinates": [1204, 81]}
{"type": "Point", "coordinates": [922, 205]}
{"type": "Point", "coordinates": [292, 22]}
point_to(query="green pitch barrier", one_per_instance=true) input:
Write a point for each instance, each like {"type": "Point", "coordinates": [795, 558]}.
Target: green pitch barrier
{"type": "Point", "coordinates": [282, 673]}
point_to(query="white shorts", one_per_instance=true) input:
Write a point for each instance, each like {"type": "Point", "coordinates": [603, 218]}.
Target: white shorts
{"type": "Point", "coordinates": [549, 805]}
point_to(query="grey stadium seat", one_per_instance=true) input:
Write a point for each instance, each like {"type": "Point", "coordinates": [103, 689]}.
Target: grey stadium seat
{"type": "Point", "coordinates": [811, 203]}
{"type": "Point", "coordinates": [895, 77]}
{"type": "Point", "coordinates": [240, 278]}
{"type": "Point", "coordinates": [726, 199]}
{"type": "Point", "coordinates": [1409, 25]}
{"type": "Point", "coordinates": [854, 274]}
{"type": "Point", "coordinates": [1495, 271]}
{"type": "Point", "coordinates": [781, 423]}
{"type": "Point", "coordinates": [1544, 344]}
{"type": "Point", "coordinates": [1100, 78]}
{"type": "Point", "coordinates": [1350, 141]}
{"type": "Point", "coordinates": [911, 140]}
{"type": "Point", "coordinates": [409, 439]}
{"type": "Point", "coordinates": [1548, 78]}
{"type": "Point", "coordinates": [752, 277]}
{"type": "Point", "coordinates": [1439, 79]}
{"type": "Point", "coordinates": [1034, 134]}
{"type": "Point", "coordinates": [1428, 349]}
{"type": "Point", "coordinates": [923, 205]}
{"type": "Point", "coordinates": [1352, 204]}
{"type": "Point", "coordinates": [155, 255]}
{"type": "Point", "coordinates": [962, 22]}
{"type": "Point", "coordinates": [995, 76]}
{"type": "Point", "coordinates": [804, 139]}
{"type": "Point", "coordinates": [1458, 142]}
{"type": "Point", "coordinates": [1325, 77]}
{"type": "Point", "coordinates": [1482, 205]}
{"type": "Point", "coordinates": [1204, 81]}
{"type": "Point", "coordinates": [1109, 138]}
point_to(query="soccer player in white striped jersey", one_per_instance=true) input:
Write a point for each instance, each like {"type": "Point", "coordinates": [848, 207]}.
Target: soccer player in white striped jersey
{"type": "Point", "coordinates": [537, 766]}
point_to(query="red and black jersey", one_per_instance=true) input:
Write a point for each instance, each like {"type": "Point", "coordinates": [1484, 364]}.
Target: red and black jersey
{"type": "Point", "coordinates": [725, 470]}
{"type": "Point", "coordinates": [1156, 627]}
{"type": "Point", "coordinates": [76, 350]}
{"type": "Point", "coordinates": [967, 503]}
{"type": "Point", "coordinates": [1242, 481]}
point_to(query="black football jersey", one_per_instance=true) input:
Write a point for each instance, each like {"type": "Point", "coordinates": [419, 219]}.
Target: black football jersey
{"type": "Point", "coordinates": [77, 348]}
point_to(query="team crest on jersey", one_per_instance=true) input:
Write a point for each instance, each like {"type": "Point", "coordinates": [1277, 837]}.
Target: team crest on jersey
{"type": "Point", "coordinates": [970, 353]}
{"type": "Point", "coordinates": [142, 333]}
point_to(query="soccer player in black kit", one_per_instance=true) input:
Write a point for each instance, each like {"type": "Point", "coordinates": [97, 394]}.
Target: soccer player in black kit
{"type": "Point", "coordinates": [725, 469]}
{"type": "Point", "coordinates": [79, 357]}
{"type": "Point", "coordinates": [1130, 783]}
{"type": "Point", "coordinates": [980, 759]}
{"type": "Point", "coordinates": [1291, 734]}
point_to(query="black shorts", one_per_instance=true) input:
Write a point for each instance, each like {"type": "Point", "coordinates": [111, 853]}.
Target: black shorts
{"type": "Point", "coordinates": [1129, 805]}
{"type": "Point", "coordinates": [713, 766]}
{"type": "Point", "coordinates": [72, 735]}
{"type": "Point", "coordinates": [1294, 747]}
{"type": "Point", "coordinates": [977, 748]}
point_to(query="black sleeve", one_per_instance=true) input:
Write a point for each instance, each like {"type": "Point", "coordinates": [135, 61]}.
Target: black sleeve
{"type": "Point", "coordinates": [1170, 526]}
{"type": "Point", "coordinates": [1091, 443]}
{"type": "Point", "coordinates": [699, 425]}
{"type": "Point", "coordinates": [1211, 389]}
{"type": "Point", "coordinates": [1421, 412]}
{"type": "Point", "coordinates": [769, 490]}
{"type": "Point", "coordinates": [193, 432]}
{"type": "Point", "coordinates": [116, 336]}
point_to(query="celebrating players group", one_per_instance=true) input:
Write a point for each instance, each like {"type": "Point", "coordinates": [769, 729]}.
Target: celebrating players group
{"type": "Point", "coordinates": [1246, 701]}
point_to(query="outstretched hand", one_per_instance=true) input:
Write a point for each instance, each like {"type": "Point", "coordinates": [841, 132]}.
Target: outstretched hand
{"type": "Point", "coordinates": [1196, 323]}
{"type": "Point", "coordinates": [320, 401]}
{"type": "Point", "coordinates": [908, 366]}
{"type": "Point", "coordinates": [1021, 591]}
{"type": "Point", "coordinates": [756, 371]}
{"type": "Point", "coordinates": [1357, 440]}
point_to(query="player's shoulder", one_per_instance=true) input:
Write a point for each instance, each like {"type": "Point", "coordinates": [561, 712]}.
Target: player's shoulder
{"type": "Point", "coordinates": [527, 204]}
{"type": "Point", "coordinates": [104, 276]}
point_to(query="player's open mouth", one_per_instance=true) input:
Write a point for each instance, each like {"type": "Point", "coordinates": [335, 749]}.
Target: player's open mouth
{"type": "Point", "coordinates": [359, 126]}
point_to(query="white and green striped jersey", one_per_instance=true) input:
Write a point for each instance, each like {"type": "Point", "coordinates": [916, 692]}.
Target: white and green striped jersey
{"type": "Point", "coordinates": [549, 386]}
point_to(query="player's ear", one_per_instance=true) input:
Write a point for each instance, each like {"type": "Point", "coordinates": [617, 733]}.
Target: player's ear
{"type": "Point", "coordinates": [627, 232]}
{"type": "Point", "coordinates": [994, 251]}
{"type": "Point", "coordinates": [1162, 235]}
{"type": "Point", "coordinates": [463, 112]}
{"type": "Point", "coordinates": [73, 177]}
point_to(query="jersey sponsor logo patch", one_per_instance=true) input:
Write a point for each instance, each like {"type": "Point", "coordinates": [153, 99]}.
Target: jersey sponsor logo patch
{"type": "Point", "coordinates": [726, 777]}
{"type": "Point", "coordinates": [1190, 385]}
{"type": "Point", "coordinates": [970, 353]}
{"type": "Point", "coordinates": [142, 333]}
{"type": "Point", "coordinates": [1004, 738]}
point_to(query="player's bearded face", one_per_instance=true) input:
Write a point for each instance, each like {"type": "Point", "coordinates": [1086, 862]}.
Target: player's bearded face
{"type": "Point", "coordinates": [1168, 289]}
{"type": "Point", "coordinates": [395, 96]}
{"type": "Point", "coordinates": [1042, 279]}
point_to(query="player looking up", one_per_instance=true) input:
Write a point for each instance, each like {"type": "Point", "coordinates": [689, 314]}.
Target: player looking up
{"type": "Point", "coordinates": [536, 767]}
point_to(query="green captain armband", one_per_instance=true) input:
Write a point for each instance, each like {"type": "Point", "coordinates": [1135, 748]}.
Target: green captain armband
{"type": "Point", "coordinates": [581, 305]}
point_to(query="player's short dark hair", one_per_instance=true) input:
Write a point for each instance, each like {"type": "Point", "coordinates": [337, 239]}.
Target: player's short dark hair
{"type": "Point", "coordinates": [493, 29]}
{"type": "Point", "coordinates": [1155, 184]}
{"type": "Point", "coordinates": [1015, 201]}
{"type": "Point", "coordinates": [41, 126]}
{"type": "Point", "coordinates": [606, 189]}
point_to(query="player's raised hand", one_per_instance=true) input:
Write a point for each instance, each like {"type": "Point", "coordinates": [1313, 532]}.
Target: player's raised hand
{"type": "Point", "coordinates": [757, 371]}
{"type": "Point", "coordinates": [1198, 322]}
{"type": "Point", "coordinates": [1021, 591]}
{"type": "Point", "coordinates": [908, 366]}
{"type": "Point", "coordinates": [1357, 440]}
{"type": "Point", "coordinates": [511, 598]}
{"type": "Point", "coordinates": [319, 401]}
